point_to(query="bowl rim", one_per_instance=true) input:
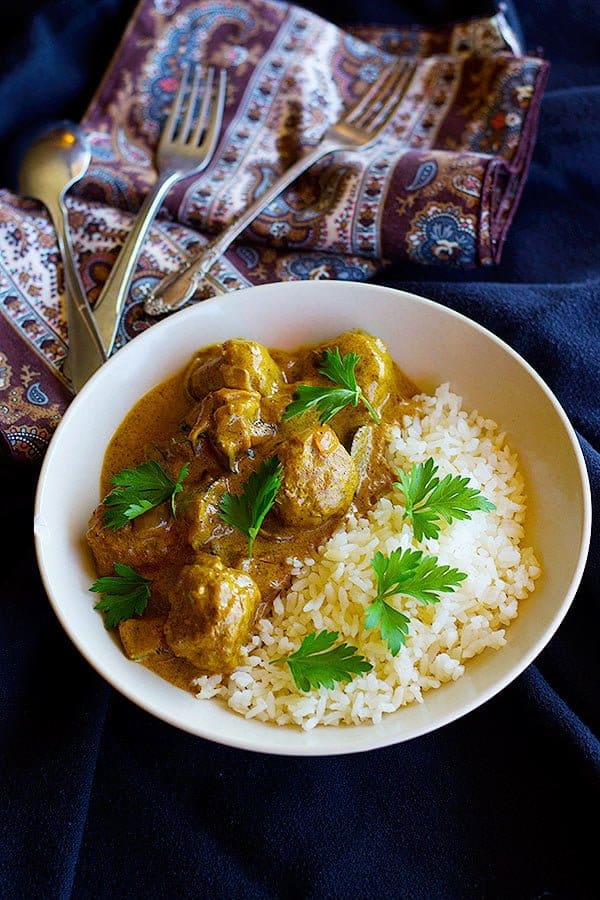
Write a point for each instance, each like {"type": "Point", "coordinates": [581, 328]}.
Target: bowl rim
{"type": "Point", "coordinates": [372, 740]}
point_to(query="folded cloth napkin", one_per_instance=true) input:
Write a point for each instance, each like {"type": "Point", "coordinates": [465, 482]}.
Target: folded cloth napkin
{"type": "Point", "coordinates": [440, 186]}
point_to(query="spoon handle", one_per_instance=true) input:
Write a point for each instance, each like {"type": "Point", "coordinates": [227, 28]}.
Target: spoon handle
{"type": "Point", "coordinates": [85, 353]}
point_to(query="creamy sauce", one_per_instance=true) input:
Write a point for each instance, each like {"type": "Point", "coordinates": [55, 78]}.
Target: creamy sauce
{"type": "Point", "coordinates": [151, 421]}
{"type": "Point", "coordinates": [157, 427]}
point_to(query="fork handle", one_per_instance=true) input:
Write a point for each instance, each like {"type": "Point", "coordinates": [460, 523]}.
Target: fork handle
{"type": "Point", "coordinates": [175, 290]}
{"type": "Point", "coordinates": [108, 309]}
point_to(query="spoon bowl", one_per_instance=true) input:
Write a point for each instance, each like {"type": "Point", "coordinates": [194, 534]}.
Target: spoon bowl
{"type": "Point", "coordinates": [55, 161]}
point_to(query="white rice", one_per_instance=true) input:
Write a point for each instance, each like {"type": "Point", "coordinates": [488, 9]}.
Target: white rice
{"type": "Point", "coordinates": [332, 590]}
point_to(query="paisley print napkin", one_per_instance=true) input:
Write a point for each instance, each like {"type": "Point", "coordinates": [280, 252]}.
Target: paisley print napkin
{"type": "Point", "coordinates": [440, 187]}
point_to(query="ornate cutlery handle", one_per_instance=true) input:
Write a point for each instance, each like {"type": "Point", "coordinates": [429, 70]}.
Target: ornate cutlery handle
{"type": "Point", "coordinates": [175, 290]}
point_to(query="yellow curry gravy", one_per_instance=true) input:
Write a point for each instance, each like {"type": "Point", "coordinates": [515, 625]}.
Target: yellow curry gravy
{"type": "Point", "coordinates": [222, 416]}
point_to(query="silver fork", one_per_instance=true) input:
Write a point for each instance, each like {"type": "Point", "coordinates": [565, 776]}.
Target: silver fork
{"type": "Point", "coordinates": [356, 130]}
{"type": "Point", "coordinates": [187, 143]}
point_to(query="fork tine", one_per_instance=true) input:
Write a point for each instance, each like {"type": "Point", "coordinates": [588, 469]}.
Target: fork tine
{"type": "Point", "coordinates": [366, 101]}
{"type": "Point", "coordinates": [204, 106]}
{"type": "Point", "coordinates": [215, 115]}
{"type": "Point", "coordinates": [191, 105]}
{"type": "Point", "coordinates": [386, 92]}
{"type": "Point", "coordinates": [386, 111]}
{"type": "Point", "coordinates": [170, 125]}
{"type": "Point", "coordinates": [389, 96]}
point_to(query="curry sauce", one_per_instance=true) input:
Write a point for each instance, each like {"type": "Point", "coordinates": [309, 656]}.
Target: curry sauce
{"type": "Point", "coordinates": [223, 415]}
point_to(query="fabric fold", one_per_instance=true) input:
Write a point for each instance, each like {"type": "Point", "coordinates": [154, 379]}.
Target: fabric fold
{"type": "Point", "coordinates": [439, 187]}
{"type": "Point", "coordinates": [291, 75]}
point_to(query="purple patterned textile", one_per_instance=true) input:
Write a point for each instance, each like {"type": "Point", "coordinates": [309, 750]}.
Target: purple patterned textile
{"type": "Point", "coordinates": [440, 186]}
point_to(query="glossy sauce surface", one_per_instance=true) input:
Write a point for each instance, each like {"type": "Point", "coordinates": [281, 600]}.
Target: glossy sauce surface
{"type": "Point", "coordinates": [158, 427]}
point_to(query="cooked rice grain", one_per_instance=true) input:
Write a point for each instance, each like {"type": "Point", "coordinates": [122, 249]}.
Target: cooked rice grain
{"type": "Point", "coordinates": [333, 590]}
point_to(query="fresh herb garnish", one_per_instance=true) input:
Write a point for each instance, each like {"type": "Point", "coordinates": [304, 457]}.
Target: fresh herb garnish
{"type": "Point", "coordinates": [126, 594]}
{"type": "Point", "coordinates": [246, 511]}
{"type": "Point", "coordinates": [317, 663]}
{"type": "Point", "coordinates": [330, 400]}
{"type": "Point", "coordinates": [138, 490]}
{"type": "Point", "coordinates": [413, 574]}
{"type": "Point", "coordinates": [429, 500]}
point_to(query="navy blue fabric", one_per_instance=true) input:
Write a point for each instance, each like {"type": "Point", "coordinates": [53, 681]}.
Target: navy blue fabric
{"type": "Point", "coordinates": [97, 799]}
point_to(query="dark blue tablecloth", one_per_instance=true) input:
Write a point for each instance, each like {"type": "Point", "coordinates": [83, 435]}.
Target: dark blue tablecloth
{"type": "Point", "coordinates": [97, 799]}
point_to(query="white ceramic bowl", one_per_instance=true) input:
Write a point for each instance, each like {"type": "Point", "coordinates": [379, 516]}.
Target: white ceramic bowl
{"type": "Point", "coordinates": [432, 344]}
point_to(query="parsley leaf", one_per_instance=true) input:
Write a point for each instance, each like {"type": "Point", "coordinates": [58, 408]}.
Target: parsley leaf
{"type": "Point", "coordinates": [317, 663]}
{"type": "Point", "coordinates": [125, 594]}
{"type": "Point", "coordinates": [329, 401]}
{"type": "Point", "coordinates": [138, 490]}
{"type": "Point", "coordinates": [392, 624]}
{"type": "Point", "coordinates": [412, 573]}
{"type": "Point", "coordinates": [246, 511]}
{"type": "Point", "coordinates": [428, 500]}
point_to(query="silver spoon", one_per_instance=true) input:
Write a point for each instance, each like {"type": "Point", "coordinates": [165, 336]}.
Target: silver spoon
{"type": "Point", "coordinates": [52, 164]}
